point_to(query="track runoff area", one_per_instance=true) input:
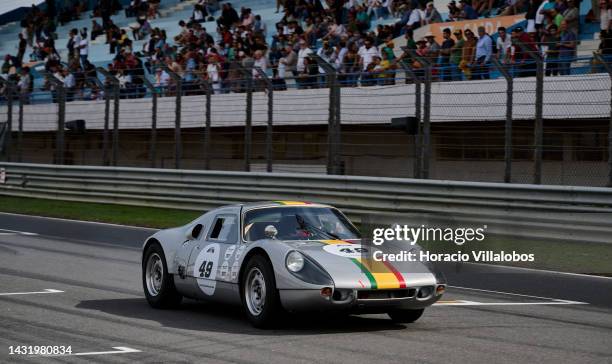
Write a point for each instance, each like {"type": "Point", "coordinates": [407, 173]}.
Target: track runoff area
{"type": "Point", "coordinates": [71, 292]}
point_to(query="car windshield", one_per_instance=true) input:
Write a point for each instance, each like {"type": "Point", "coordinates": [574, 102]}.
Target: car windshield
{"type": "Point", "coordinates": [298, 223]}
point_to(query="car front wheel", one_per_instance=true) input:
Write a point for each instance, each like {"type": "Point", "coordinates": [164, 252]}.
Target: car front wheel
{"type": "Point", "coordinates": [157, 282]}
{"type": "Point", "coordinates": [403, 316]}
{"type": "Point", "coordinates": [259, 294]}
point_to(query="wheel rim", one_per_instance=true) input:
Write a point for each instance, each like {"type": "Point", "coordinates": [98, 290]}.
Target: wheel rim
{"type": "Point", "coordinates": [255, 291]}
{"type": "Point", "coordinates": [154, 274]}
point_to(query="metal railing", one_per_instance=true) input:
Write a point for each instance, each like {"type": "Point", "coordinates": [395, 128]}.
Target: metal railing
{"type": "Point", "coordinates": [581, 214]}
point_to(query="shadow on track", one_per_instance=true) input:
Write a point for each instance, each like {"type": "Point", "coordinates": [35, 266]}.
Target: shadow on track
{"type": "Point", "coordinates": [199, 316]}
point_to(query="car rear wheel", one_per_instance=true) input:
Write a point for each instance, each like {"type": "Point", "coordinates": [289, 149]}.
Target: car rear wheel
{"type": "Point", "coordinates": [403, 316]}
{"type": "Point", "coordinates": [157, 283]}
{"type": "Point", "coordinates": [259, 294]}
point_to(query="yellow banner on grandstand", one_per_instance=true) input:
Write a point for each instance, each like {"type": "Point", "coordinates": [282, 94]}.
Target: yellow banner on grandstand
{"type": "Point", "coordinates": [490, 24]}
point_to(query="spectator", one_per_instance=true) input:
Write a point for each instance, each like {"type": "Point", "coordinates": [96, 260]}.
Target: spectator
{"type": "Point", "coordinates": [503, 44]}
{"type": "Point", "coordinates": [328, 54]}
{"type": "Point", "coordinates": [287, 63]}
{"type": "Point", "coordinates": [467, 11]}
{"type": "Point", "coordinates": [25, 84]}
{"type": "Point", "coordinates": [68, 81]}
{"type": "Point", "coordinates": [468, 53]}
{"type": "Point", "coordinates": [96, 30]}
{"type": "Point", "coordinates": [141, 29]}
{"type": "Point", "coordinates": [454, 12]}
{"type": "Point", "coordinates": [484, 51]}
{"type": "Point", "coordinates": [83, 47]}
{"type": "Point", "coordinates": [457, 55]}
{"type": "Point", "coordinates": [303, 54]}
{"type": "Point", "coordinates": [605, 15]}
{"type": "Point", "coordinates": [431, 15]}
{"type": "Point", "coordinates": [524, 52]}
{"type": "Point", "coordinates": [550, 45]}
{"type": "Point", "coordinates": [72, 45]}
{"type": "Point", "coordinates": [532, 14]}
{"type": "Point", "coordinates": [366, 53]}
{"type": "Point", "coordinates": [416, 18]}
{"type": "Point", "coordinates": [567, 48]}
{"type": "Point", "coordinates": [162, 78]}
{"type": "Point", "coordinates": [22, 46]}
{"type": "Point", "coordinates": [572, 16]}
{"type": "Point", "coordinates": [199, 14]}
{"type": "Point", "coordinates": [445, 55]}
{"type": "Point", "coordinates": [433, 48]}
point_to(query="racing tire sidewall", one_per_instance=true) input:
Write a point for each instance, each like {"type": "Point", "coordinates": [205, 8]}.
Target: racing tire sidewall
{"type": "Point", "coordinates": [168, 296]}
{"type": "Point", "coordinates": [272, 308]}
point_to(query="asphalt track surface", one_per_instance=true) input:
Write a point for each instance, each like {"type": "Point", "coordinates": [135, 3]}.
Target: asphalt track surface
{"type": "Point", "coordinates": [100, 311]}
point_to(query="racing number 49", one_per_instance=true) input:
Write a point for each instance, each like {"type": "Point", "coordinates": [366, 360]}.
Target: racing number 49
{"type": "Point", "coordinates": [205, 269]}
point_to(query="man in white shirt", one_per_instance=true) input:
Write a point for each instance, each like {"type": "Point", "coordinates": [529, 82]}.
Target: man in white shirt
{"type": "Point", "coordinates": [416, 18]}
{"type": "Point", "coordinates": [484, 51]}
{"type": "Point", "coordinates": [366, 53]}
{"type": "Point", "coordinates": [504, 42]}
{"type": "Point", "coordinates": [83, 47]}
{"type": "Point", "coordinates": [302, 54]}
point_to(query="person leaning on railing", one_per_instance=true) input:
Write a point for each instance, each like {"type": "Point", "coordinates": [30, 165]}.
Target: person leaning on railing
{"type": "Point", "coordinates": [550, 44]}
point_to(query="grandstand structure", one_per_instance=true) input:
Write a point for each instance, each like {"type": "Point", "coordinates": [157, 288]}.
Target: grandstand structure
{"type": "Point", "coordinates": [404, 122]}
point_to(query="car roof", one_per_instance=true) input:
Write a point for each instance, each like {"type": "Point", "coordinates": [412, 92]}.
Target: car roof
{"type": "Point", "coordinates": [280, 203]}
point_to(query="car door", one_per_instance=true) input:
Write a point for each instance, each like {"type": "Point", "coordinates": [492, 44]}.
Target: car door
{"type": "Point", "coordinates": [213, 256]}
{"type": "Point", "coordinates": [192, 234]}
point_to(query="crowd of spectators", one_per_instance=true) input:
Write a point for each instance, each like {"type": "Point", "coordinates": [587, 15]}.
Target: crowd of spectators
{"type": "Point", "coordinates": [340, 33]}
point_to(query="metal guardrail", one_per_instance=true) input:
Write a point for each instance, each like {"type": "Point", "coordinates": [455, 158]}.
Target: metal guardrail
{"type": "Point", "coordinates": [570, 213]}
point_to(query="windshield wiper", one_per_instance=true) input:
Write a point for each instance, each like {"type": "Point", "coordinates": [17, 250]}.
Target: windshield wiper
{"type": "Point", "coordinates": [305, 225]}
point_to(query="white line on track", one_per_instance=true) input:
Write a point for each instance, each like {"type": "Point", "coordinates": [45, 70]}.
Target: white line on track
{"type": "Point", "coordinates": [516, 294]}
{"type": "Point", "coordinates": [13, 232]}
{"type": "Point", "coordinates": [26, 293]}
{"type": "Point", "coordinates": [546, 300]}
{"type": "Point", "coordinates": [474, 303]}
{"type": "Point", "coordinates": [546, 271]}
{"type": "Point", "coordinates": [118, 350]}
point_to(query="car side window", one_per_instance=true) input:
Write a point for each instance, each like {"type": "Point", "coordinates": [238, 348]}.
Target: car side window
{"type": "Point", "coordinates": [224, 229]}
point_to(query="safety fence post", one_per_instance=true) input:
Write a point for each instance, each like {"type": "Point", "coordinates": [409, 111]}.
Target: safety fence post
{"type": "Point", "coordinates": [426, 133]}
{"type": "Point", "coordinates": [153, 138]}
{"type": "Point", "coordinates": [6, 143]}
{"type": "Point", "coordinates": [60, 98]}
{"type": "Point", "coordinates": [334, 137]}
{"type": "Point", "coordinates": [538, 127]}
{"type": "Point", "coordinates": [248, 124]}
{"type": "Point", "coordinates": [269, 125]}
{"type": "Point", "coordinates": [114, 82]}
{"type": "Point", "coordinates": [20, 129]}
{"type": "Point", "coordinates": [410, 75]}
{"type": "Point", "coordinates": [178, 142]}
{"type": "Point", "coordinates": [207, 127]}
{"type": "Point", "coordinates": [503, 69]}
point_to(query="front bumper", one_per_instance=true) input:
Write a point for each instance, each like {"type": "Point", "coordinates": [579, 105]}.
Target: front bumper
{"type": "Point", "coordinates": [354, 300]}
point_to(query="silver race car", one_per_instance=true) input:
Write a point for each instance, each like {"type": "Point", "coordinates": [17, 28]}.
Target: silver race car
{"type": "Point", "coordinates": [280, 256]}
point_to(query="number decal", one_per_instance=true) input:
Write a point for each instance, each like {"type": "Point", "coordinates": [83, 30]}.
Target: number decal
{"type": "Point", "coordinates": [346, 250]}
{"type": "Point", "coordinates": [205, 268]}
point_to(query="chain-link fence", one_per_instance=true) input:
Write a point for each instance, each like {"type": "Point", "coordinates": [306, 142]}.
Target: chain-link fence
{"type": "Point", "coordinates": [540, 120]}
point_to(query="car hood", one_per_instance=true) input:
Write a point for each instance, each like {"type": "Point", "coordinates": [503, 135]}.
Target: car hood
{"type": "Point", "coordinates": [350, 266]}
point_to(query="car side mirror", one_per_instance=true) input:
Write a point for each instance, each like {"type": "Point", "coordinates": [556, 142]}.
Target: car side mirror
{"type": "Point", "coordinates": [194, 233]}
{"type": "Point", "coordinates": [270, 232]}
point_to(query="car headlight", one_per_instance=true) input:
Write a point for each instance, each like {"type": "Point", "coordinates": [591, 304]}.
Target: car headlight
{"type": "Point", "coordinates": [294, 261]}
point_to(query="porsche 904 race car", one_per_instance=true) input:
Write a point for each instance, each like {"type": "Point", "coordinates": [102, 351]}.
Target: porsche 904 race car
{"type": "Point", "coordinates": [282, 256]}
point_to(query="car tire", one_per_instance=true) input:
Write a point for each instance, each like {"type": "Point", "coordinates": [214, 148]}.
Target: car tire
{"type": "Point", "coordinates": [404, 316]}
{"type": "Point", "coordinates": [260, 297]}
{"type": "Point", "coordinates": [157, 283]}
